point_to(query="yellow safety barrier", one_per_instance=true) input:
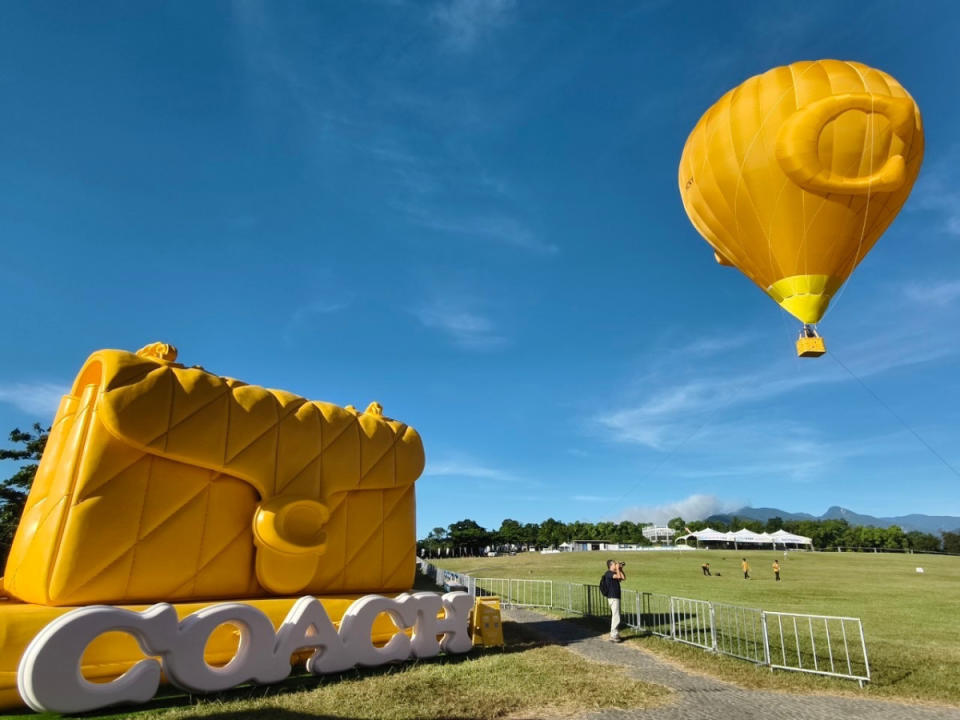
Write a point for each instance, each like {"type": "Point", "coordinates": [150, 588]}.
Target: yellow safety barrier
{"type": "Point", "coordinates": [485, 625]}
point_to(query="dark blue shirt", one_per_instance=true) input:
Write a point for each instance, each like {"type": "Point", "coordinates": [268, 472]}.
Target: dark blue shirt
{"type": "Point", "coordinates": [613, 585]}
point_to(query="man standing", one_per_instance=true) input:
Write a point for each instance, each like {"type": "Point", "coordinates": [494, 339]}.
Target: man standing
{"type": "Point", "coordinates": [706, 569]}
{"type": "Point", "coordinates": [776, 570]}
{"type": "Point", "coordinates": [746, 569]}
{"type": "Point", "coordinates": [610, 587]}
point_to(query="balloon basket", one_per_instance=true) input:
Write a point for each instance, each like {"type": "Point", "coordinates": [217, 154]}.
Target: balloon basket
{"type": "Point", "coordinates": [811, 347]}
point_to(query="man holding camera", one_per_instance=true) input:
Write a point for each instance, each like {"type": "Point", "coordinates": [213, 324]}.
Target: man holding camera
{"type": "Point", "coordinates": [610, 587]}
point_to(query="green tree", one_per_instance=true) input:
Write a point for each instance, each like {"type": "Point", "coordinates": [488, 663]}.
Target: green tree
{"type": "Point", "coordinates": [677, 524]}
{"type": "Point", "coordinates": [627, 532]}
{"type": "Point", "coordinates": [510, 533]}
{"type": "Point", "coordinates": [552, 533]}
{"type": "Point", "coordinates": [468, 537]}
{"type": "Point", "coordinates": [14, 490]}
{"type": "Point", "coordinates": [774, 524]}
{"type": "Point", "coordinates": [530, 533]}
{"type": "Point", "coordinates": [894, 538]}
{"type": "Point", "coordinates": [951, 541]}
{"type": "Point", "coordinates": [923, 541]}
{"type": "Point", "coordinates": [435, 541]}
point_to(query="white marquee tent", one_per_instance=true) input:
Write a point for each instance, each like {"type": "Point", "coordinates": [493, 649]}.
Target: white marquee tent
{"type": "Point", "coordinates": [746, 537]}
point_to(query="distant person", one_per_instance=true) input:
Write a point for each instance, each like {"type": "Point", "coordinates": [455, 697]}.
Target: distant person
{"type": "Point", "coordinates": [776, 570]}
{"type": "Point", "coordinates": [610, 589]}
{"type": "Point", "coordinates": [746, 568]}
{"type": "Point", "coordinates": [706, 569]}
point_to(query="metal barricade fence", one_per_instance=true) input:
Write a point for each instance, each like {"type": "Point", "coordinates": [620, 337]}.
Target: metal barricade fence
{"type": "Point", "coordinates": [518, 593]}
{"type": "Point", "coordinates": [568, 597]}
{"type": "Point", "coordinates": [630, 608]}
{"type": "Point", "coordinates": [818, 644]}
{"type": "Point", "coordinates": [738, 632]}
{"type": "Point", "coordinates": [692, 622]}
{"type": "Point", "coordinates": [655, 617]}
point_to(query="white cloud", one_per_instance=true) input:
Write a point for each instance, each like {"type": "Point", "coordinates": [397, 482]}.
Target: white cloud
{"type": "Point", "coordinates": [465, 22]}
{"type": "Point", "coordinates": [307, 316]}
{"type": "Point", "coordinates": [671, 413]}
{"type": "Point", "coordinates": [688, 405]}
{"type": "Point", "coordinates": [466, 469]}
{"type": "Point", "coordinates": [942, 293]}
{"type": "Point", "coordinates": [468, 329]}
{"type": "Point", "coordinates": [494, 226]}
{"type": "Point", "coordinates": [716, 345]}
{"type": "Point", "coordinates": [936, 191]}
{"type": "Point", "coordinates": [40, 399]}
{"type": "Point", "coordinates": [694, 507]}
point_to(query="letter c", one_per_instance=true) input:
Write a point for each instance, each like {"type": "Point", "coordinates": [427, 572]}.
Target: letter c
{"type": "Point", "coordinates": [356, 628]}
{"type": "Point", "coordinates": [797, 143]}
{"type": "Point", "coordinates": [49, 677]}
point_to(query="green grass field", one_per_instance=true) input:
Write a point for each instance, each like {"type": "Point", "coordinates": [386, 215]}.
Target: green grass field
{"type": "Point", "coordinates": [911, 621]}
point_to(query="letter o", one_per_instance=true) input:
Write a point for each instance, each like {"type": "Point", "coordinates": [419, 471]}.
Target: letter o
{"type": "Point", "coordinates": [186, 666]}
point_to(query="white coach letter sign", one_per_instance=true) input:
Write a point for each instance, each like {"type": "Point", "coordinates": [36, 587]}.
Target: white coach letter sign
{"type": "Point", "coordinates": [330, 656]}
{"type": "Point", "coordinates": [186, 667]}
{"type": "Point", "coordinates": [49, 677]}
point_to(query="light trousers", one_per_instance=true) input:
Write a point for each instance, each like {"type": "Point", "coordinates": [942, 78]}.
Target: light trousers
{"type": "Point", "coordinates": [614, 617]}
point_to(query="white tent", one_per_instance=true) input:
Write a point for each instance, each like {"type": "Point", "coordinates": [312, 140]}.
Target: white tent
{"type": "Point", "coordinates": [782, 537]}
{"type": "Point", "coordinates": [706, 535]}
{"type": "Point", "coordinates": [746, 537]}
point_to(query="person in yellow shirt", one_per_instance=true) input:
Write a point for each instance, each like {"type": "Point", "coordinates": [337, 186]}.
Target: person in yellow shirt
{"type": "Point", "coordinates": [746, 569]}
{"type": "Point", "coordinates": [776, 570]}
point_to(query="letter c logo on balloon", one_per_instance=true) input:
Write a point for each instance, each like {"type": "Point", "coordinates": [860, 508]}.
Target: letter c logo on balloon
{"type": "Point", "coordinates": [798, 144]}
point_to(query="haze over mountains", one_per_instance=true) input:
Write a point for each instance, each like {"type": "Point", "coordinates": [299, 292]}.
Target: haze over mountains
{"type": "Point", "coordinates": [924, 523]}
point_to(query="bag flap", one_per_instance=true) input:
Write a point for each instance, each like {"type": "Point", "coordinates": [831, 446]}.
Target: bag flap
{"type": "Point", "coordinates": [275, 440]}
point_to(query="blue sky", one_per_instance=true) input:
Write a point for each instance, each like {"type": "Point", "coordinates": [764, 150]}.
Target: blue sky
{"type": "Point", "coordinates": [468, 211]}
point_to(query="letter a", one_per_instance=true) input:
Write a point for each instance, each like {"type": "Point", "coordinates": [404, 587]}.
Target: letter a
{"type": "Point", "coordinates": [295, 634]}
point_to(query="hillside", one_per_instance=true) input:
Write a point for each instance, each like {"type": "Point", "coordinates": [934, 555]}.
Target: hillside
{"type": "Point", "coordinates": [924, 523]}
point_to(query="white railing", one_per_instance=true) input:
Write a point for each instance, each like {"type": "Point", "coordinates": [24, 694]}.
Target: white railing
{"type": "Point", "coordinates": [738, 632]}
{"type": "Point", "coordinates": [692, 622]}
{"type": "Point", "coordinates": [819, 644]}
{"type": "Point", "coordinates": [519, 593]}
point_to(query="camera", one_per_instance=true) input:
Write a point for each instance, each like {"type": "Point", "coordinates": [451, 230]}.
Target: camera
{"type": "Point", "coordinates": [621, 564]}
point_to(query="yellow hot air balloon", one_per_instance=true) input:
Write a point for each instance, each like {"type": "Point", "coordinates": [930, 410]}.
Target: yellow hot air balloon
{"type": "Point", "coordinates": [792, 176]}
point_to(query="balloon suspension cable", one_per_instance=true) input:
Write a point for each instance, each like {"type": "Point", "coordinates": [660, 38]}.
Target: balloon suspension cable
{"type": "Point", "coordinates": [899, 419]}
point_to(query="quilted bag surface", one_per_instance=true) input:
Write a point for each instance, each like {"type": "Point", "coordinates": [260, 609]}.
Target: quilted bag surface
{"type": "Point", "coordinates": [165, 482]}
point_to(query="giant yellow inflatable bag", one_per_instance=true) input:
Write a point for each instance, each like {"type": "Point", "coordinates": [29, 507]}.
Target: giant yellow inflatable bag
{"type": "Point", "coordinates": [162, 482]}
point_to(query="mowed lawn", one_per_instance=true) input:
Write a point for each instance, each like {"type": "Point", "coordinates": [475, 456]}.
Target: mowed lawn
{"type": "Point", "coordinates": [911, 621]}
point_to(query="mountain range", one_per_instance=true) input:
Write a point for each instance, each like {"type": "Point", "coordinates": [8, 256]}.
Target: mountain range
{"type": "Point", "coordinates": [924, 523]}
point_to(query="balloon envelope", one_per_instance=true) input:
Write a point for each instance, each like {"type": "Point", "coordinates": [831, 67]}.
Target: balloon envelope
{"type": "Point", "coordinates": [793, 175]}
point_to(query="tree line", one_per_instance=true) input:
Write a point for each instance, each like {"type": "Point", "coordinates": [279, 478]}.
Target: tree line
{"type": "Point", "coordinates": [467, 537]}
